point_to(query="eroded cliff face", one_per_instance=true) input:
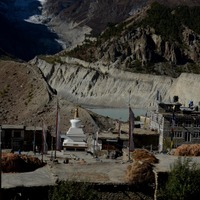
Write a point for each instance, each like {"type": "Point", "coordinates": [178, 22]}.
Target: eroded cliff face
{"type": "Point", "coordinates": [95, 84]}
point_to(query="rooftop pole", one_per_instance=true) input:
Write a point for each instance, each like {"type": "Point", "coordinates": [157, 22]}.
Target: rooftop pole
{"type": "Point", "coordinates": [0, 164]}
{"type": "Point", "coordinates": [51, 146]}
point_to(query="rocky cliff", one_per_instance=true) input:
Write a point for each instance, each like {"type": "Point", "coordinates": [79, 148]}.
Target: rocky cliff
{"type": "Point", "coordinates": [96, 84]}
{"type": "Point", "coordinates": [145, 46]}
{"type": "Point", "coordinates": [148, 42]}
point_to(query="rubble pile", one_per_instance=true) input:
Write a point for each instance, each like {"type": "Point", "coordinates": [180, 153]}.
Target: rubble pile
{"type": "Point", "coordinates": [19, 163]}
{"type": "Point", "coordinates": [141, 170]}
{"type": "Point", "coordinates": [187, 150]}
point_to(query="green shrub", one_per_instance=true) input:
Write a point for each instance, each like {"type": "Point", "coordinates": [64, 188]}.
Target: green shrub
{"type": "Point", "coordinates": [183, 181]}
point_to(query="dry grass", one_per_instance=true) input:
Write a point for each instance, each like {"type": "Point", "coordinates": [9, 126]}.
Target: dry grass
{"type": "Point", "coordinates": [19, 163]}
{"type": "Point", "coordinates": [141, 170]}
{"type": "Point", "coordinates": [144, 155]}
{"type": "Point", "coordinates": [140, 173]}
{"type": "Point", "coordinates": [188, 150]}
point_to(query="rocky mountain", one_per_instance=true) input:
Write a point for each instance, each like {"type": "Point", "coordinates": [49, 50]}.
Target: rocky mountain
{"type": "Point", "coordinates": [149, 42]}
{"type": "Point", "coordinates": [32, 27]}
{"type": "Point", "coordinates": [97, 14]}
{"type": "Point", "coordinates": [94, 14]}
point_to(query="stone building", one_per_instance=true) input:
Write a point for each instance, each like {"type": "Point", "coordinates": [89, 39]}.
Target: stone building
{"type": "Point", "coordinates": [175, 124]}
{"type": "Point", "coordinates": [22, 137]}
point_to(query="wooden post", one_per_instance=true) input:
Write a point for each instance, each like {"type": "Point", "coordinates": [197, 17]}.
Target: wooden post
{"type": "Point", "coordinates": [34, 150]}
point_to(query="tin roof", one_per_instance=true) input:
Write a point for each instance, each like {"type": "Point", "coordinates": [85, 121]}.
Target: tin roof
{"type": "Point", "coordinates": [9, 126]}
{"type": "Point", "coordinates": [20, 127]}
{"type": "Point", "coordinates": [33, 128]}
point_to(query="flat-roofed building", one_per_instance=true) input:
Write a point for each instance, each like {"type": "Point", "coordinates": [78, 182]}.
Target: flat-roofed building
{"type": "Point", "coordinates": [175, 124]}
{"type": "Point", "coordinates": [22, 137]}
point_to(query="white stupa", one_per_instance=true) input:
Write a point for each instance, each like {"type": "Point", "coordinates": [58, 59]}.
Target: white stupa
{"type": "Point", "coordinates": [75, 137]}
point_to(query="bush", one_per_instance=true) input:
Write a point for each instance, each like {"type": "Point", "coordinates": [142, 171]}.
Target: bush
{"type": "Point", "coordinates": [71, 190]}
{"type": "Point", "coordinates": [183, 181]}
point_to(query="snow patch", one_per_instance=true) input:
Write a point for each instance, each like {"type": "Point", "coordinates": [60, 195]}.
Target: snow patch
{"type": "Point", "coordinates": [36, 19]}
{"type": "Point", "coordinates": [42, 1]}
{"type": "Point", "coordinates": [63, 44]}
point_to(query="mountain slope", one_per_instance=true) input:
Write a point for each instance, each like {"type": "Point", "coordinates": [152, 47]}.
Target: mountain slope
{"type": "Point", "coordinates": [95, 14]}
{"type": "Point", "coordinates": [25, 98]}
{"type": "Point", "coordinates": [98, 14]}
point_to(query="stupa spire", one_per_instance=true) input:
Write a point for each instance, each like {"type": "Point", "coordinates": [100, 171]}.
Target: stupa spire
{"type": "Point", "coordinates": [76, 115]}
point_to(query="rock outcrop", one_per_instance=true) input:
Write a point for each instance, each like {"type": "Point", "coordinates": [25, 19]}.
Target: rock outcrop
{"type": "Point", "coordinates": [137, 48]}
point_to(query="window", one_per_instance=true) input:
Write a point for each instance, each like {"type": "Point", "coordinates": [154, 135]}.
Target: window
{"type": "Point", "coordinates": [196, 135]}
{"type": "Point", "coordinates": [178, 134]}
